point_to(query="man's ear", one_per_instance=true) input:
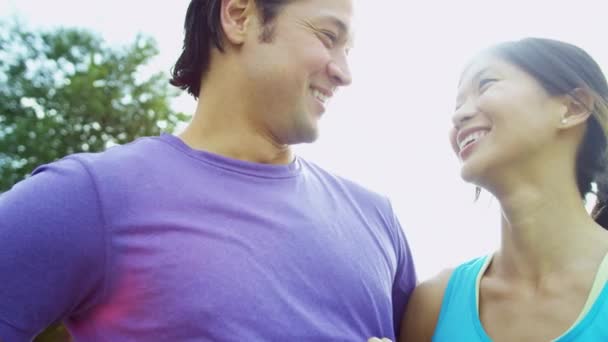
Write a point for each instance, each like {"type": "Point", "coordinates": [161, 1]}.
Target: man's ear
{"type": "Point", "coordinates": [579, 106]}
{"type": "Point", "coordinates": [237, 18]}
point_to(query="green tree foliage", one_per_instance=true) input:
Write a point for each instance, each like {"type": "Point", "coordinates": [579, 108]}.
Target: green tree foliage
{"type": "Point", "coordinates": [65, 90]}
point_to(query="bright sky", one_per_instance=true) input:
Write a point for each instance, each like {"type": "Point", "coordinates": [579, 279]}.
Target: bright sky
{"type": "Point", "coordinates": [388, 130]}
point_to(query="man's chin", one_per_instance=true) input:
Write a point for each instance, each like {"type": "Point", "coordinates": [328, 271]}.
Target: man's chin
{"type": "Point", "coordinates": [304, 136]}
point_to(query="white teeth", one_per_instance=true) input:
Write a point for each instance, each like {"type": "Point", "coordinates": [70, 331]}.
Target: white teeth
{"type": "Point", "coordinates": [473, 137]}
{"type": "Point", "coordinates": [320, 96]}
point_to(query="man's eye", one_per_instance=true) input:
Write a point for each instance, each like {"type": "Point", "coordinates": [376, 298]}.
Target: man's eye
{"type": "Point", "coordinates": [329, 38]}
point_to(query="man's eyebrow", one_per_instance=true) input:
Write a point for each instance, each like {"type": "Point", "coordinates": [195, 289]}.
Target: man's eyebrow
{"type": "Point", "coordinates": [347, 35]}
{"type": "Point", "coordinates": [336, 22]}
{"type": "Point", "coordinates": [344, 31]}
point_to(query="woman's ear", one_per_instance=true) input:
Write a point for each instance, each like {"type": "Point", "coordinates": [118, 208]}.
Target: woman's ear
{"type": "Point", "coordinates": [579, 106]}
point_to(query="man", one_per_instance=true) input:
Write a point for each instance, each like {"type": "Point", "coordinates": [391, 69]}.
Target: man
{"type": "Point", "coordinates": [220, 234]}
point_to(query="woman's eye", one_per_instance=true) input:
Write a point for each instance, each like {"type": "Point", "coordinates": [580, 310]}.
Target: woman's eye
{"type": "Point", "coordinates": [484, 83]}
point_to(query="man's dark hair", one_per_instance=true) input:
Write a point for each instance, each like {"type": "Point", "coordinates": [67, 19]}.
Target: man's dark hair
{"type": "Point", "coordinates": [203, 32]}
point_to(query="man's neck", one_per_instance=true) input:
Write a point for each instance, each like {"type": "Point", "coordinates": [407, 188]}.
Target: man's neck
{"type": "Point", "coordinates": [227, 131]}
{"type": "Point", "coordinates": [224, 121]}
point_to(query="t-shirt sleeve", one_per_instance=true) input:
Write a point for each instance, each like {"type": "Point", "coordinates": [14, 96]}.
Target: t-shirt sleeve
{"type": "Point", "coordinates": [52, 249]}
{"type": "Point", "coordinates": [405, 277]}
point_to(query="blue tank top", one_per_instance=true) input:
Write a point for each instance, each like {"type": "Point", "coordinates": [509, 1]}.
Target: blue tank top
{"type": "Point", "coordinates": [459, 316]}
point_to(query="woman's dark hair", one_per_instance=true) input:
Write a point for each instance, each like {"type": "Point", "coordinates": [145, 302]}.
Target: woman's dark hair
{"type": "Point", "coordinates": [203, 32]}
{"type": "Point", "coordinates": [561, 68]}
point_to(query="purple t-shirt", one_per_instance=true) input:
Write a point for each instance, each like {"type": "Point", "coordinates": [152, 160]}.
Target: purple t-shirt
{"type": "Point", "coordinates": [155, 241]}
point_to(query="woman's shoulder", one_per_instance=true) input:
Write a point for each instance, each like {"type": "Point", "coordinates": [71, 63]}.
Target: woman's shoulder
{"type": "Point", "coordinates": [423, 309]}
{"type": "Point", "coordinates": [425, 304]}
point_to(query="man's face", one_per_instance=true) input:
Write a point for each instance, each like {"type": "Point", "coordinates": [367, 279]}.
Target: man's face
{"type": "Point", "coordinates": [299, 67]}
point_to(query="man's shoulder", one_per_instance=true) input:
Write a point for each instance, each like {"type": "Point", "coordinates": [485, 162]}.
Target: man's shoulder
{"type": "Point", "coordinates": [352, 187]}
{"type": "Point", "coordinates": [136, 151]}
{"type": "Point", "coordinates": [134, 158]}
{"type": "Point", "coordinates": [116, 167]}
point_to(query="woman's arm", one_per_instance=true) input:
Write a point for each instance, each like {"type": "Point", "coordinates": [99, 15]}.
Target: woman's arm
{"type": "Point", "coordinates": [418, 324]}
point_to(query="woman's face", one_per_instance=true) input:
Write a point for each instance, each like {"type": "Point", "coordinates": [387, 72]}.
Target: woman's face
{"type": "Point", "coordinates": [503, 117]}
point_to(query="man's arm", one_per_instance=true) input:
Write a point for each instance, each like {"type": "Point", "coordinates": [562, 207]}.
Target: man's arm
{"type": "Point", "coordinates": [405, 278]}
{"type": "Point", "coordinates": [52, 249]}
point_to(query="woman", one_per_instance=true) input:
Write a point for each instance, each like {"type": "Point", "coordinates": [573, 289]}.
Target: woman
{"type": "Point", "coordinates": [529, 127]}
